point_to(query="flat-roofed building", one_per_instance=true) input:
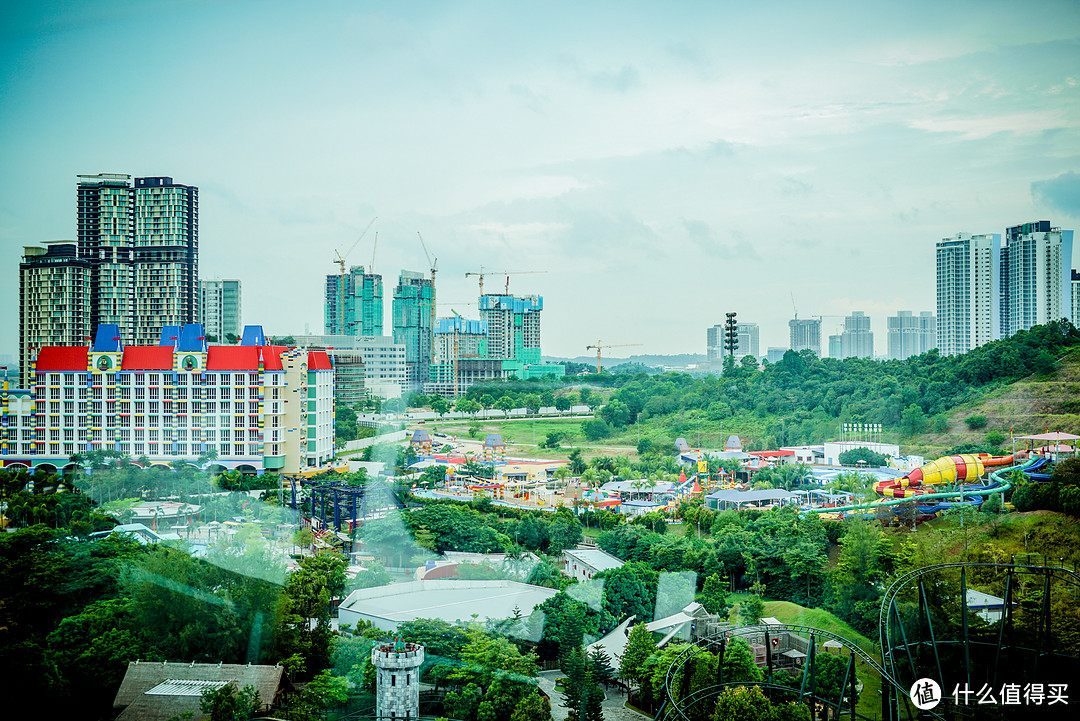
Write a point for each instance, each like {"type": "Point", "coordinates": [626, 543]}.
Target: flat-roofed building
{"type": "Point", "coordinates": [584, 563]}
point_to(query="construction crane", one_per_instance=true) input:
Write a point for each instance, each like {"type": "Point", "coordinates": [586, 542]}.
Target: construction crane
{"type": "Point", "coordinates": [340, 260]}
{"type": "Point", "coordinates": [600, 344]}
{"type": "Point", "coordinates": [434, 264]}
{"type": "Point", "coordinates": [481, 273]}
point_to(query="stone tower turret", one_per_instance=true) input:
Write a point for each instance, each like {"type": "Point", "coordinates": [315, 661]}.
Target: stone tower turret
{"type": "Point", "coordinates": [397, 685]}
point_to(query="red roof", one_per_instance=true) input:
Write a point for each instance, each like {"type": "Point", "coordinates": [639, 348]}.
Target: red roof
{"type": "Point", "coordinates": [272, 357]}
{"type": "Point", "coordinates": [317, 360]}
{"type": "Point", "coordinates": [243, 357]}
{"type": "Point", "coordinates": [771, 454]}
{"type": "Point", "coordinates": [62, 358]}
{"type": "Point", "coordinates": [148, 358]}
{"type": "Point", "coordinates": [232, 358]}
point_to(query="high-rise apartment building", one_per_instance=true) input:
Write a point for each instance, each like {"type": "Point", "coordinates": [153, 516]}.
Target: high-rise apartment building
{"type": "Point", "coordinates": [219, 308]}
{"type": "Point", "coordinates": [857, 340]}
{"type": "Point", "coordinates": [165, 257]}
{"type": "Point", "coordinates": [910, 335]}
{"type": "Point", "coordinates": [54, 296]}
{"type": "Point", "coordinates": [836, 346]}
{"type": "Point", "coordinates": [747, 335]}
{"type": "Point", "coordinates": [1075, 315]}
{"type": "Point", "coordinates": [354, 303]}
{"type": "Point", "coordinates": [805, 335]}
{"type": "Point", "coordinates": [967, 292]}
{"type": "Point", "coordinates": [1034, 278]}
{"type": "Point", "coordinates": [414, 316]}
{"type": "Point", "coordinates": [513, 324]}
{"type": "Point", "coordinates": [142, 242]}
{"type": "Point", "coordinates": [714, 342]}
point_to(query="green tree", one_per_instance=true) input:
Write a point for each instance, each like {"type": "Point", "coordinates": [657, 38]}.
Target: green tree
{"type": "Point", "coordinates": [739, 662]}
{"type": "Point", "coordinates": [742, 703]}
{"type": "Point", "coordinates": [326, 691]}
{"type": "Point", "coordinates": [913, 420]}
{"type": "Point", "coordinates": [467, 405]}
{"type": "Point", "coordinates": [562, 404]}
{"type": "Point", "coordinates": [714, 596]}
{"type": "Point", "coordinates": [750, 610]}
{"type": "Point", "coordinates": [229, 703]}
{"type": "Point", "coordinates": [853, 456]}
{"type": "Point", "coordinates": [640, 646]}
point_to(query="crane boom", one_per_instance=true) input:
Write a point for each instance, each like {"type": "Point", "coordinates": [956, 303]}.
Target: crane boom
{"type": "Point", "coordinates": [600, 344]}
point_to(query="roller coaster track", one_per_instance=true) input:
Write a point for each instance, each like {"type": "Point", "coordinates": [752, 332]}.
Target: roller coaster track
{"type": "Point", "coordinates": [893, 687]}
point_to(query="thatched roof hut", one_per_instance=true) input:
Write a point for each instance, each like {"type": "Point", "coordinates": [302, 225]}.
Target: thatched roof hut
{"type": "Point", "coordinates": [158, 691]}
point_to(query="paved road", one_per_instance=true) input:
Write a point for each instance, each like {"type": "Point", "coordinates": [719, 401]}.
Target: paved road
{"type": "Point", "coordinates": [614, 702]}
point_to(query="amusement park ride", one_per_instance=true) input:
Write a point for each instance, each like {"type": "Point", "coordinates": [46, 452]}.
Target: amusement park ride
{"type": "Point", "coordinates": [926, 628]}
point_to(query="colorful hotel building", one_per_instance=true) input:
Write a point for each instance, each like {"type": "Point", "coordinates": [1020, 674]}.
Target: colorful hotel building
{"type": "Point", "coordinates": [259, 407]}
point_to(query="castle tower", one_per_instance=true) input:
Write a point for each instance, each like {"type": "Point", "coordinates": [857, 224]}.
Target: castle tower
{"type": "Point", "coordinates": [397, 684]}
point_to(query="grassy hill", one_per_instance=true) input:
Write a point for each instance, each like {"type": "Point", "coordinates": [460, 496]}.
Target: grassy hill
{"type": "Point", "coordinates": [1029, 406]}
{"type": "Point", "coordinates": [793, 613]}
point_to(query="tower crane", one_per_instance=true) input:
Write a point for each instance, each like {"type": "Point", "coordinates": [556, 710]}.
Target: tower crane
{"type": "Point", "coordinates": [600, 344]}
{"type": "Point", "coordinates": [340, 260]}
{"type": "Point", "coordinates": [481, 273]}
{"type": "Point", "coordinates": [434, 264]}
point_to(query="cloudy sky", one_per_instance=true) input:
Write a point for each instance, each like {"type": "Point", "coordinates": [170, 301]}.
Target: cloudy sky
{"type": "Point", "coordinates": [663, 162]}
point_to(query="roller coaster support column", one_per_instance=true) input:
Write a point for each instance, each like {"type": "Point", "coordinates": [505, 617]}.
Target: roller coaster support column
{"type": "Point", "coordinates": [720, 661]}
{"type": "Point", "coordinates": [1005, 618]}
{"type": "Point", "coordinates": [768, 656]}
{"type": "Point", "coordinates": [964, 625]}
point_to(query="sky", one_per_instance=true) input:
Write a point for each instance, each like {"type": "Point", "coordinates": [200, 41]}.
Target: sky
{"type": "Point", "coordinates": [662, 163]}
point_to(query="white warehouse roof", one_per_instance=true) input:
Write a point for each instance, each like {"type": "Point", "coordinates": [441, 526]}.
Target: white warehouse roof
{"type": "Point", "coordinates": [447, 599]}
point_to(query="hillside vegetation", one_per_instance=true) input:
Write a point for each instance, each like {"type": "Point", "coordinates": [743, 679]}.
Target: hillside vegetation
{"type": "Point", "coordinates": [1029, 405]}
{"type": "Point", "coordinates": [926, 400]}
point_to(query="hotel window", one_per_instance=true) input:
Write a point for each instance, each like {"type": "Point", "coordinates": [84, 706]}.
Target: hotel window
{"type": "Point", "coordinates": [238, 449]}
{"type": "Point", "coordinates": [54, 393]}
{"type": "Point", "coordinates": [69, 393]}
{"type": "Point", "coordinates": [69, 434]}
{"type": "Point", "coordinates": [155, 379]}
{"type": "Point", "coordinates": [223, 449]}
{"type": "Point", "coordinates": [140, 379]}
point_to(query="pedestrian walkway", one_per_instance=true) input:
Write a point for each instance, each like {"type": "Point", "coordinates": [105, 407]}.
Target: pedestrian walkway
{"type": "Point", "coordinates": [614, 701]}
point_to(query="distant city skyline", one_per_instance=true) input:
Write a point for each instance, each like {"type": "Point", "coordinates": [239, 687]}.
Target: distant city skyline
{"type": "Point", "coordinates": [664, 167]}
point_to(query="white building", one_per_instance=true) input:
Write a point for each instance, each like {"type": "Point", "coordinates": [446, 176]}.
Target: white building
{"type": "Point", "coordinates": [833, 449]}
{"type": "Point", "coordinates": [857, 340]}
{"type": "Point", "coordinates": [1075, 315]}
{"type": "Point", "coordinates": [805, 335]}
{"type": "Point", "coordinates": [219, 308]}
{"type": "Point", "coordinates": [258, 407]}
{"type": "Point", "coordinates": [1035, 276]}
{"type": "Point", "coordinates": [747, 335]}
{"type": "Point", "coordinates": [383, 359]}
{"type": "Point", "coordinates": [967, 291]}
{"type": "Point", "coordinates": [584, 563]}
{"type": "Point", "coordinates": [911, 335]}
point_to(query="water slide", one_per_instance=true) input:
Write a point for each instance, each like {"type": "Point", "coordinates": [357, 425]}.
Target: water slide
{"type": "Point", "coordinates": [914, 481]}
